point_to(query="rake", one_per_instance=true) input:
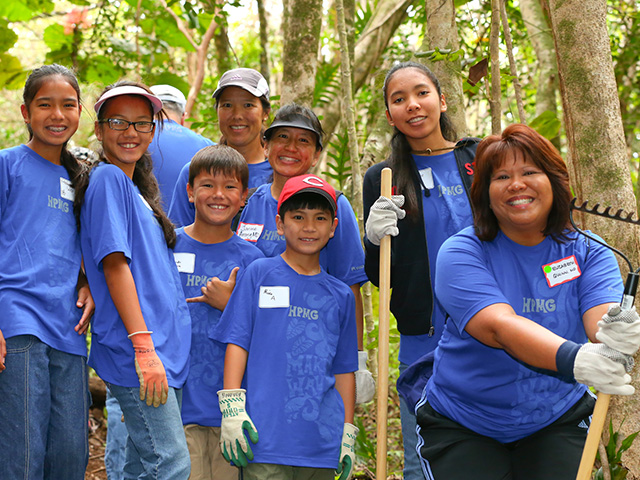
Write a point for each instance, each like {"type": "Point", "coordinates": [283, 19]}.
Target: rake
{"type": "Point", "coordinates": [628, 297]}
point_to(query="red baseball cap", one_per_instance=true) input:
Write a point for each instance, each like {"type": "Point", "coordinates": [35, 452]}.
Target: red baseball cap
{"type": "Point", "coordinates": [311, 184]}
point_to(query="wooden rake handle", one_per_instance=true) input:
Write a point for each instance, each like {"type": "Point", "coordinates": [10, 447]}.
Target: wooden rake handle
{"type": "Point", "coordinates": [593, 437]}
{"type": "Point", "coordinates": [383, 339]}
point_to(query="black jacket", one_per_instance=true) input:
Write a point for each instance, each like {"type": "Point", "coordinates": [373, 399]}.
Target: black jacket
{"type": "Point", "coordinates": [412, 295]}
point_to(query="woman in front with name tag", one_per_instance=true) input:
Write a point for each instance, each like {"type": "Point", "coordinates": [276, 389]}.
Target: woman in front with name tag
{"type": "Point", "coordinates": [44, 297]}
{"type": "Point", "coordinates": [141, 332]}
{"type": "Point", "coordinates": [508, 398]}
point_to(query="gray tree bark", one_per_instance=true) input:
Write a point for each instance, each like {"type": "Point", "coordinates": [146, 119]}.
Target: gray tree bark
{"type": "Point", "coordinates": [386, 18]}
{"type": "Point", "coordinates": [540, 35]}
{"type": "Point", "coordinates": [441, 33]}
{"type": "Point", "coordinates": [303, 20]}
{"type": "Point", "coordinates": [597, 155]}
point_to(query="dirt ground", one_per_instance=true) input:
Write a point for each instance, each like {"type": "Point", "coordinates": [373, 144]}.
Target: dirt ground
{"type": "Point", "coordinates": [97, 440]}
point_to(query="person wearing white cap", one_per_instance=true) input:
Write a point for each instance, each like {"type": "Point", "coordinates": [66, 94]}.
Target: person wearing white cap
{"type": "Point", "coordinates": [173, 145]}
{"type": "Point", "coordinates": [242, 104]}
{"type": "Point", "coordinates": [141, 332]}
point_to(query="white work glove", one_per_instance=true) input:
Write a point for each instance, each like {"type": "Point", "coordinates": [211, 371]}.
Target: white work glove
{"type": "Point", "coordinates": [604, 369]}
{"type": "Point", "coordinates": [620, 330]}
{"type": "Point", "coordinates": [347, 451]}
{"type": "Point", "coordinates": [235, 420]}
{"type": "Point", "coordinates": [365, 384]}
{"type": "Point", "coordinates": [383, 218]}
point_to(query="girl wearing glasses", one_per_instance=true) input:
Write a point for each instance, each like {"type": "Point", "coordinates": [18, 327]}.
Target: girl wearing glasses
{"type": "Point", "coordinates": [141, 331]}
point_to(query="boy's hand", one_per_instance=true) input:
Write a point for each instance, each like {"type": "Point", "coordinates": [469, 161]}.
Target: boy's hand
{"type": "Point", "coordinates": [347, 451]}
{"type": "Point", "coordinates": [85, 301]}
{"type": "Point", "coordinates": [153, 378]}
{"type": "Point", "coordinates": [235, 420]}
{"type": "Point", "coordinates": [217, 292]}
{"type": "Point", "coordinates": [365, 384]}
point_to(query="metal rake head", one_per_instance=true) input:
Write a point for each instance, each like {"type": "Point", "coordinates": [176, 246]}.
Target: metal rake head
{"type": "Point", "coordinates": [606, 213]}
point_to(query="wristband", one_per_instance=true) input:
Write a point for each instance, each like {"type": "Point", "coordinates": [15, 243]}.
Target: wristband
{"type": "Point", "coordinates": [140, 332]}
{"type": "Point", "coordinates": [566, 357]}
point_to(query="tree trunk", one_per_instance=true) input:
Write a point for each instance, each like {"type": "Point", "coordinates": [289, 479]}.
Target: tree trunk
{"type": "Point", "coordinates": [495, 103]}
{"type": "Point", "coordinates": [542, 41]}
{"type": "Point", "coordinates": [222, 47]}
{"type": "Point", "coordinates": [441, 33]}
{"type": "Point", "coordinates": [385, 20]}
{"type": "Point", "coordinates": [597, 155]}
{"type": "Point", "coordinates": [264, 41]}
{"type": "Point", "coordinates": [303, 20]}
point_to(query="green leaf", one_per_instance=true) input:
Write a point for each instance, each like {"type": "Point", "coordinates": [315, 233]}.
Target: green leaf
{"type": "Point", "coordinates": [55, 38]}
{"type": "Point", "coordinates": [100, 69]}
{"type": "Point", "coordinates": [8, 37]}
{"type": "Point", "coordinates": [23, 10]}
{"type": "Point", "coordinates": [12, 75]}
{"type": "Point", "coordinates": [546, 124]}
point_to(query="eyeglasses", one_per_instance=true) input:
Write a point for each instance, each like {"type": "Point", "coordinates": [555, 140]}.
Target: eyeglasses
{"type": "Point", "coordinates": [119, 124]}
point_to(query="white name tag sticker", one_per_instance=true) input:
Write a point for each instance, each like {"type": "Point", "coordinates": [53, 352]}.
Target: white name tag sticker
{"type": "Point", "coordinates": [66, 190]}
{"type": "Point", "coordinates": [185, 261]}
{"type": "Point", "coordinates": [427, 177]}
{"type": "Point", "coordinates": [273, 297]}
{"type": "Point", "coordinates": [250, 231]}
{"type": "Point", "coordinates": [561, 271]}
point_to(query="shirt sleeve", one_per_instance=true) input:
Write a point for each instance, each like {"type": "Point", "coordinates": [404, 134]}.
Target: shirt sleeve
{"type": "Point", "coordinates": [346, 359]}
{"type": "Point", "coordinates": [600, 281]}
{"type": "Point", "coordinates": [345, 256]}
{"type": "Point", "coordinates": [463, 284]}
{"type": "Point", "coordinates": [181, 211]}
{"type": "Point", "coordinates": [107, 213]}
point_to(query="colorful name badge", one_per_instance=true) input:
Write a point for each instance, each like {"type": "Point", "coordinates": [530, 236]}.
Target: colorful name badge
{"type": "Point", "coordinates": [273, 297]}
{"type": "Point", "coordinates": [185, 261]}
{"type": "Point", "coordinates": [66, 190]}
{"type": "Point", "coordinates": [561, 271]}
{"type": "Point", "coordinates": [250, 231]}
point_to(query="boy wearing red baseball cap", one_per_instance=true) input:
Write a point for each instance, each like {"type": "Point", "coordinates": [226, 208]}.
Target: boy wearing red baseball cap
{"type": "Point", "coordinates": [291, 343]}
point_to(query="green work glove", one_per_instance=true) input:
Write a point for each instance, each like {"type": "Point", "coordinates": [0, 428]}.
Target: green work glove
{"type": "Point", "coordinates": [235, 420]}
{"type": "Point", "coordinates": [347, 451]}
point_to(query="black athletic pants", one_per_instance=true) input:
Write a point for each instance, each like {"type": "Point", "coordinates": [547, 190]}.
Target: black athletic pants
{"type": "Point", "coordinates": [450, 451]}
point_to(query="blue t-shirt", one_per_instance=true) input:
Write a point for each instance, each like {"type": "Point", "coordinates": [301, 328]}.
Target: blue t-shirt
{"type": "Point", "coordinates": [40, 247]}
{"type": "Point", "coordinates": [483, 388]}
{"type": "Point", "coordinates": [182, 212]}
{"type": "Point", "coordinates": [172, 147]}
{"type": "Point", "coordinates": [115, 218]}
{"type": "Point", "coordinates": [197, 262]}
{"type": "Point", "coordinates": [342, 257]}
{"type": "Point", "coordinates": [446, 212]}
{"type": "Point", "coordinates": [299, 331]}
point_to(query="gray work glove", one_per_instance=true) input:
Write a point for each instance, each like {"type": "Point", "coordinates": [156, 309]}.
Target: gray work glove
{"type": "Point", "coordinates": [603, 368]}
{"type": "Point", "coordinates": [365, 384]}
{"type": "Point", "coordinates": [383, 218]}
{"type": "Point", "coordinates": [620, 330]}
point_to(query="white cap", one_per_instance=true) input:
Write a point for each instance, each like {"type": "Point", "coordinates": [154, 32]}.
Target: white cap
{"type": "Point", "coordinates": [156, 103]}
{"type": "Point", "coordinates": [167, 93]}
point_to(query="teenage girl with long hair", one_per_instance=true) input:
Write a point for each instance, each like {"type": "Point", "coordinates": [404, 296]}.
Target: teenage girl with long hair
{"type": "Point", "coordinates": [44, 298]}
{"type": "Point", "coordinates": [141, 332]}
{"type": "Point", "coordinates": [432, 175]}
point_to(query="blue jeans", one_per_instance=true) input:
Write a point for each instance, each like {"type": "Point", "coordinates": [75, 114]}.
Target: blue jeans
{"type": "Point", "coordinates": [44, 412]}
{"type": "Point", "coordinates": [116, 440]}
{"type": "Point", "coordinates": [412, 469]}
{"type": "Point", "coordinates": [156, 446]}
